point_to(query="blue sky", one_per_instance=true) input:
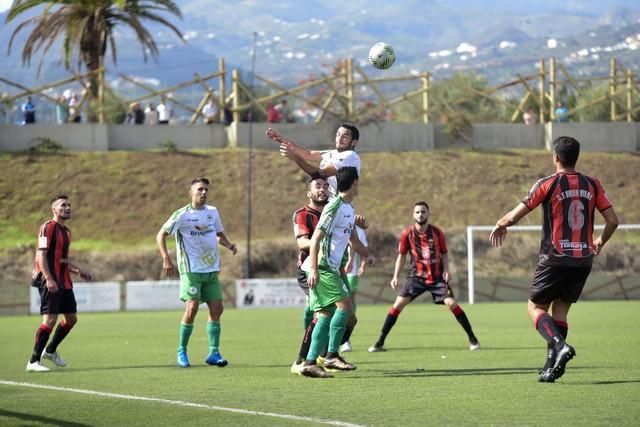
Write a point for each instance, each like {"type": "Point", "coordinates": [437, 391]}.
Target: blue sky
{"type": "Point", "coordinates": [4, 5]}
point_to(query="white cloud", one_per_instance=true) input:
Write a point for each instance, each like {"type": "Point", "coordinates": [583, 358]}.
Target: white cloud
{"type": "Point", "coordinates": [5, 4]}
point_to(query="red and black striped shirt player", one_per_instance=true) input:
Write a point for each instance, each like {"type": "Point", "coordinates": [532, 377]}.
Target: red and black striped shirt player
{"type": "Point", "coordinates": [54, 240]}
{"type": "Point", "coordinates": [52, 276]}
{"type": "Point", "coordinates": [427, 247]}
{"type": "Point", "coordinates": [569, 200]}
{"type": "Point", "coordinates": [305, 221]}
{"type": "Point", "coordinates": [427, 250]}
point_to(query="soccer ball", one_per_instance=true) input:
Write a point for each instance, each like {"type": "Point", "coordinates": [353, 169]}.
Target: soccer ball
{"type": "Point", "coordinates": [382, 56]}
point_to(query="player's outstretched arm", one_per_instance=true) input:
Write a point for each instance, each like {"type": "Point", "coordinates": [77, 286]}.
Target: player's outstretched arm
{"type": "Point", "coordinates": [499, 232]}
{"type": "Point", "coordinates": [361, 249]}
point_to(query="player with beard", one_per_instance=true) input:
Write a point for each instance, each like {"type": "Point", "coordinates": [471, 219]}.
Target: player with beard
{"type": "Point", "coordinates": [305, 220]}
{"type": "Point", "coordinates": [323, 163]}
{"type": "Point", "coordinates": [429, 272]}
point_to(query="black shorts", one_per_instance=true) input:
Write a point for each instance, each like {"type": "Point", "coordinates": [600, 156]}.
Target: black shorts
{"type": "Point", "coordinates": [63, 301]}
{"type": "Point", "coordinates": [302, 281]}
{"type": "Point", "coordinates": [553, 282]}
{"type": "Point", "coordinates": [414, 287]}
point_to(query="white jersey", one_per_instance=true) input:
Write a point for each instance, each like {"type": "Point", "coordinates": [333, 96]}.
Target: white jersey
{"type": "Point", "coordinates": [339, 159]}
{"type": "Point", "coordinates": [355, 264]}
{"type": "Point", "coordinates": [337, 221]}
{"type": "Point", "coordinates": [196, 233]}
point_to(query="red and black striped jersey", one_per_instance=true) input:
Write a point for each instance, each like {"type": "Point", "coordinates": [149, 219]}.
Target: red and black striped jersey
{"type": "Point", "coordinates": [54, 240]}
{"type": "Point", "coordinates": [304, 223]}
{"type": "Point", "coordinates": [427, 250]}
{"type": "Point", "coordinates": [568, 203]}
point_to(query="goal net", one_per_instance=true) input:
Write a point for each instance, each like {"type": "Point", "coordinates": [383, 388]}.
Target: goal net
{"type": "Point", "coordinates": [504, 273]}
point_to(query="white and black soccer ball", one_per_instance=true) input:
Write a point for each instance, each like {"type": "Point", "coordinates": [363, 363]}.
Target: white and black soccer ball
{"type": "Point", "coordinates": [382, 55]}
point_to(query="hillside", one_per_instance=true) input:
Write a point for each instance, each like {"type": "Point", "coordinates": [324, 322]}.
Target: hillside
{"type": "Point", "coordinates": [121, 199]}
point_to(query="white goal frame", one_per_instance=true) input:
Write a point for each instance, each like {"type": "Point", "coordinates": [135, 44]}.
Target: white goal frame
{"type": "Point", "coordinates": [472, 228]}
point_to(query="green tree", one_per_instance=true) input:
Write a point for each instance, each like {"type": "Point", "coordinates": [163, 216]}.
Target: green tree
{"type": "Point", "coordinates": [87, 29]}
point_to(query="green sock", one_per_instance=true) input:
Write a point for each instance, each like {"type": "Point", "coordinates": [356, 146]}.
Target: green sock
{"type": "Point", "coordinates": [319, 337]}
{"type": "Point", "coordinates": [336, 330]}
{"type": "Point", "coordinates": [213, 330]}
{"type": "Point", "coordinates": [308, 316]}
{"type": "Point", "coordinates": [185, 334]}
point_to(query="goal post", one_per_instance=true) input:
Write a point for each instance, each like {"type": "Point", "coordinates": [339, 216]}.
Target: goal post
{"type": "Point", "coordinates": [474, 229]}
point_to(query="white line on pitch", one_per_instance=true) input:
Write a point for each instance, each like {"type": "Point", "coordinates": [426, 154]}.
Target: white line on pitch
{"type": "Point", "coordinates": [181, 403]}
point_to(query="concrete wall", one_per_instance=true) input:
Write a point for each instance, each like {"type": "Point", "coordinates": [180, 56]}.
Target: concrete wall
{"type": "Point", "coordinates": [185, 137]}
{"type": "Point", "coordinates": [498, 136]}
{"type": "Point", "coordinates": [74, 136]}
{"type": "Point", "coordinates": [612, 137]}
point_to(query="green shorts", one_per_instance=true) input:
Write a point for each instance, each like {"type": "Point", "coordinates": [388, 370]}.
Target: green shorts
{"type": "Point", "coordinates": [330, 289]}
{"type": "Point", "coordinates": [200, 286]}
{"type": "Point", "coordinates": [353, 281]}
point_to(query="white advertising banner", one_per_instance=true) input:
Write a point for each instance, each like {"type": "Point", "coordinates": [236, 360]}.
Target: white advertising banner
{"type": "Point", "coordinates": [266, 293]}
{"type": "Point", "coordinates": [153, 295]}
{"type": "Point", "coordinates": [93, 296]}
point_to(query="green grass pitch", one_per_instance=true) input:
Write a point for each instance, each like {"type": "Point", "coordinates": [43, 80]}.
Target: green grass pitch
{"type": "Point", "coordinates": [428, 376]}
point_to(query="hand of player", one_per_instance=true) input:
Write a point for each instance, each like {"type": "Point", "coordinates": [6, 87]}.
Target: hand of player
{"type": "Point", "coordinates": [597, 246]}
{"type": "Point", "coordinates": [273, 135]}
{"type": "Point", "coordinates": [446, 276]}
{"type": "Point", "coordinates": [361, 222]}
{"type": "Point", "coordinates": [313, 278]}
{"type": "Point", "coordinates": [233, 248]}
{"type": "Point", "coordinates": [497, 236]}
{"type": "Point", "coordinates": [52, 286]}
{"type": "Point", "coordinates": [371, 260]}
{"type": "Point", "coordinates": [85, 275]}
{"type": "Point", "coordinates": [394, 283]}
{"type": "Point", "coordinates": [167, 267]}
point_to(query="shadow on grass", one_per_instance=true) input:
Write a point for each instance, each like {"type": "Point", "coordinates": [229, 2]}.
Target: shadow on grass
{"type": "Point", "coordinates": [30, 418]}
{"type": "Point", "coordinates": [419, 372]}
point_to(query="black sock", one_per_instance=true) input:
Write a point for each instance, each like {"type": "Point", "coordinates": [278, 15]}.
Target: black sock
{"type": "Point", "coordinates": [462, 318]}
{"type": "Point", "coordinates": [392, 317]}
{"type": "Point", "coordinates": [563, 328]}
{"type": "Point", "coordinates": [306, 341]}
{"type": "Point", "coordinates": [61, 332]}
{"type": "Point", "coordinates": [330, 355]}
{"type": "Point", "coordinates": [546, 327]}
{"type": "Point", "coordinates": [348, 330]}
{"type": "Point", "coordinates": [42, 336]}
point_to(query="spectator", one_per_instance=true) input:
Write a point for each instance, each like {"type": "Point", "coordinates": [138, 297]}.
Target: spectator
{"type": "Point", "coordinates": [150, 115]}
{"type": "Point", "coordinates": [28, 112]}
{"type": "Point", "coordinates": [562, 113]}
{"type": "Point", "coordinates": [227, 114]}
{"type": "Point", "coordinates": [273, 115]}
{"type": "Point", "coordinates": [62, 110]}
{"type": "Point", "coordinates": [164, 113]}
{"type": "Point", "coordinates": [135, 116]}
{"type": "Point", "coordinates": [209, 112]}
{"type": "Point", "coordinates": [74, 109]}
{"type": "Point", "coordinates": [283, 111]}
{"type": "Point", "coordinates": [530, 118]}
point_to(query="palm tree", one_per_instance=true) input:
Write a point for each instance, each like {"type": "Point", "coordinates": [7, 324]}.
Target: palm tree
{"type": "Point", "coordinates": [87, 28]}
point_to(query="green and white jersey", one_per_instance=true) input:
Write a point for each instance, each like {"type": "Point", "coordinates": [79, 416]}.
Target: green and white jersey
{"type": "Point", "coordinates": [196, 233]}
{"type": "Point", "coordinates": [339, 159]}
{"type": "Point", "coordinates": [337, 221]}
